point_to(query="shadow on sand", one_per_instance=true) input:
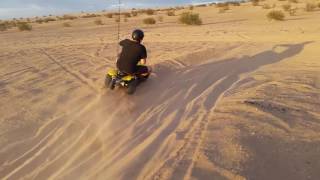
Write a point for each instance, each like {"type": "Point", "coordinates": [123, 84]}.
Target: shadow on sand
{"type": "Point", "coordinates": [188, 94]}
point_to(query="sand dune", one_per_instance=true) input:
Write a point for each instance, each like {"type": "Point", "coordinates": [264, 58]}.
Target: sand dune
{"type": "Point", "coordinates": [222, 103]}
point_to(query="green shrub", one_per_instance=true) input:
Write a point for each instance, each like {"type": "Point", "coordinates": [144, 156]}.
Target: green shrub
{"type": "Point", "coordinates": [310, 7]}
{"type": "Point", "coordinates": [98, 22]}
{"type": "Point", "coordinates": [66, 24]}
{"type": "Point", "coordinates": [149, 21]}
{"type": "Point", "coordinates": [23, 26]}
{"type": "Point", "coordinates": [171, 13]}
{"type": "Point", "coordinates": [286, 7]}
{"type": "Point", "coordinates": [276, 15]}
{"type": "Point", "coordinates": [190, 18]}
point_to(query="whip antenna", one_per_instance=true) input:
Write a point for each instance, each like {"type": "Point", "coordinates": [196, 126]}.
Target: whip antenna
{"type": "Point", "coordinates": [119, 20]}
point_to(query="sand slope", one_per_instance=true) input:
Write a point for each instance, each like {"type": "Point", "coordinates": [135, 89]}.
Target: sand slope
{"type": "Point", "coordinates": [222, 103]}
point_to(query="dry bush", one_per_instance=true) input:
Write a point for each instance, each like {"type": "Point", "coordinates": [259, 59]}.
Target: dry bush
{"type": "Point", "coordinates": [191, 7]}
{"type": "Point", "coordinates": [3, 27]}
{"type": "Point", "coordinates": [24, 26]}
{"type": "Point", "coordinates": [190, 18]}
{"type": "Point", "coordinates": [98, 22]}
{"type": "Point", "coordinates": [160, 18]}
{"type": "Point", "coordinates": [134, 13]}
{"type": "Point", "coordinates": [109, 15]}
{"type": "Point", "coordinates": [286, 7]}
{"type": "Point", "coordinates": [293, 12]}
{"type": "Point", "coordinates": [201, 5]}
{"type": "Point", "coordinates": [266, 6]}
{"type": "Point", "coordinates": [90, 16]}
{"type": "Point", "coordinates": [150, 12]}
{"type": "Point", "coordinates": [149, 21]}
{"type": "Point", "coordinates": [171, 13]}
{"type": "Point", "coordinates": [319, 5]}
{"type": "Point", "coordinates": [125, 19]}
{"type": "Point", "coordinates": [126, 14]}
{"type": "Point", "coordinates": [66, 24]}
{"type": "Point", "coordinates": [310, 7]}
{"type": "Point", "coordinates": [221, 5]}
{"type": "Point", "coordinates": [276, 15]}
{"type": "Point", "coordinates": [39, 21]}
{"type": "Point", "coordinates": [68, 17]}
{"type": "Point", "coordinates": [255, 2]}
{"type": "Point", "coordinates": [48, 19]}
{"type": "Point", "coordinates": [234, 3]}
{"type": "Point", "coordinates": [117, 19]}
{"type": "Point", "coordinates": [293, 1]}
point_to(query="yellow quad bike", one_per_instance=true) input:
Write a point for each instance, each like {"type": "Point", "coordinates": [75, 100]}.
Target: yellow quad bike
{"type": "Point", "coordinates": [116, 78]}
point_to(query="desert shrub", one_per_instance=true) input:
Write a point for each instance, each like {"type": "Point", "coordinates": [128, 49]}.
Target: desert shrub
{"type": "Point", "coordinates": [109, 15]}
{"type": "Point", "coordinates": [221, 5]}
{"type": "Point", "coordinates": [171, 13]}
{"type": "Point", "coordinates": [150, 12]}
{"type": "Point", "coordinates": [24, 26]}
{"type": "Point", "coordinates": [66, 24]}
{"type": "Point", "coordinates": [234, 3]}
{"type": "Point", "coordinates": [266, 6]}
{"type": "Point", "coordinates": [310, 7]}
{"type": "Point", "coordinates": [149, 21]}
{"type": "Point", "coordinates": [255, 2]}
{"type": "Point", "coordinates": [201, 5]}
{"type": "Point", "coordinates": [191, 7]}
{"type": "Point", "coordinates": [117, 19]}
{"type": "Point", "coordinates": [293, 12]}
{"type": "Point", "coordinates": [3, 27]}
{"type": "Point", "coordinates": [281, 0]}
{"type": "Point", "coordinates": [98, 22]}
{"type": "Point", "coordinates": [134, 13]}
{"type": "Point", "coordinates": [68, 17]}
{"type": "Point", "coordinates": [160, 18]}
{"type": "Point", "coordinates": [126, 14]}
{"type": "Point", "coordinates": [286, 7]}
{"type": "Point", "coordinates": [39, 21]}
{"type": "Point", "coordinates": [276, 15]}
{"type": "Point", "coordinates": [48, 19]}
{"type": "Point", "coordinates": [293, 1]}
{"type": "Point", "coordinates": [190, 18]}
{"type": "Point", "coordinates": [90, 15]}
{"type": "Point", "coordinates": [125, 19]}
{"type": "Point", "coordinates": [319, 5]}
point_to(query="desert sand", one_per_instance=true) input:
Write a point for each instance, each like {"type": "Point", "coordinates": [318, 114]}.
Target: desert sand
{"type": "Point", "coordinates": [235, 98]}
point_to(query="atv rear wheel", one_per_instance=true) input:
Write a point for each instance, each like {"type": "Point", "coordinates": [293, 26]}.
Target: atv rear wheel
{"type": "Point", "coordinates": [112, 84]}
{"type": "Point", "coordinates": [132, 86]}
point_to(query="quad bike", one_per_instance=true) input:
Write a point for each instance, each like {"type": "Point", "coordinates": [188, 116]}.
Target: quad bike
{"type": "Point", "coordinates": [116, 78]}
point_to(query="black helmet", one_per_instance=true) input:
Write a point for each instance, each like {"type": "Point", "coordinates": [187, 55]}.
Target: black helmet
{"type": "Point", "coordinates": [138, 35]}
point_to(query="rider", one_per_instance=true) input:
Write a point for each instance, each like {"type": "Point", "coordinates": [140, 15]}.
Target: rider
{"type": "Point", "coordinates": [133, 57]}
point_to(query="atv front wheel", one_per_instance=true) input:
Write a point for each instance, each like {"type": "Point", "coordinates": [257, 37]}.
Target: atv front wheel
{"type": "Point", "coordinates": [107, 81]}
{"type": "Point", "coordinates": [132, 86]}
{"type": "Point", "coordinates": [112, 84]}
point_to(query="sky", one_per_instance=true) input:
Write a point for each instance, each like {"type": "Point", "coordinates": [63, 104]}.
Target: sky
{"type": "Point", "coordinates": [29, 8]}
